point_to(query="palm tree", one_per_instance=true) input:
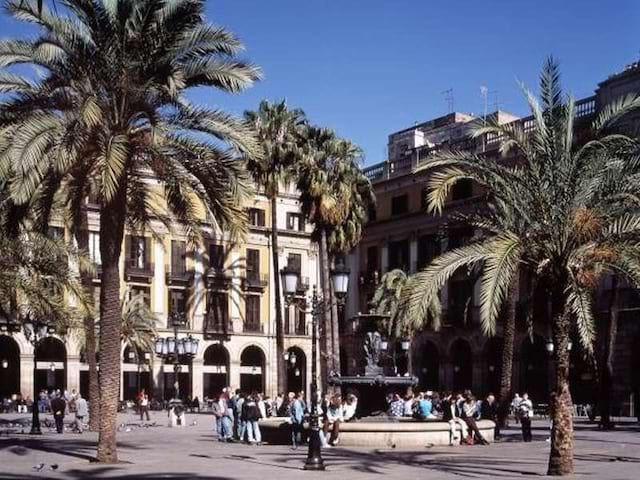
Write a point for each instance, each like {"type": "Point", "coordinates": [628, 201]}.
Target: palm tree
{"type": "Point", "coordinates": [387, 301]}
{"type": "Point", "coordinates": [124, 66]}
{"type": "Point", "coordinates": [278, 129]}
{"type": "Point", "coordinates": [335, 197]}
{"type": "Point", "coordinates": [566, 210]}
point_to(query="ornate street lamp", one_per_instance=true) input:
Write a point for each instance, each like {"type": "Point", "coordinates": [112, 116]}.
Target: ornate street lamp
{"type": "Point", "coordinates": [35, 332]}
{"type": "Point", "coordinates": [172, 348]}
{"type": "Point", "coordinates": [340, 282]}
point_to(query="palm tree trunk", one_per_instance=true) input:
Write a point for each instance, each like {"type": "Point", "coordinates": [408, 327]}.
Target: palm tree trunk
{"type": "Point", "coordinates": [82, 238]}
{"type": "Point", "coordinates": [606, 374]}
{"type": "Point", "coordinates": [280, 365]}
{"type": "Point", "coordinates": [508, 340]}
{"type": "Point", "coordinates": [335, 337]}
{"type": "Point", "coordinates": [112, 220]}
{"type": "Point", "coordinates": [560, 404]}
{"type": "Point", "coordinates": [326, 336]}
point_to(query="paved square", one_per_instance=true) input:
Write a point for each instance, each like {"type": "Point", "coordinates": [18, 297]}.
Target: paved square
{"type": "Point", "coordinates": [161, 452]}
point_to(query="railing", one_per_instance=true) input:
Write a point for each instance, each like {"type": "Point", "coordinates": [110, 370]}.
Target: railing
{"type": "Point", "coordinates": [134, 269]}
{"type": "Point", "coordinates": [303, 284]}
{"type": "Point", "coordinates": [376, 172]}
{"type": "Point", "coordinates": [488, 142]}
{"type": "Point", "coordinates": [369, 277]}
{"type": "Point", "coordinates": [252, 328]}
{"type": "Point", "coordinates": [179, 276]}
{"type": "Point", "coordinates": [213, 324]}
{"type": "Point", "coordinates": [256, 280]}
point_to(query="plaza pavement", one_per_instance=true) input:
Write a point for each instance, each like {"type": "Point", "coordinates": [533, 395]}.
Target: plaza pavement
{"type": "Point", "coordinates": [158, 452]}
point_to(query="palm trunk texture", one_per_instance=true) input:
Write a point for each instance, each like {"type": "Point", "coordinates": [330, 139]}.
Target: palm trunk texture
{"type": "Point", "coordinates": [560, 404]}
{"type": "Point", "coordinates": [606, 373]}
{"type": "Point", "coordinates": [508, 339]}
{"type": "Point", "coordinates": [326, 336]}
{"type": "Point", "coordinates": [82, 237]}
{"type": "Point", "coordinates": [112, 221]}
{"type": "Point", "coordinates": [280, 364]}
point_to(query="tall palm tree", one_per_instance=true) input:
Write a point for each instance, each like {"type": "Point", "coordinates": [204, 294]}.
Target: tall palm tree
{"type": "Point", "coordinates": [335, 197]}
{"type": "Point", "coordinates": [567, 210]}
{"type": "Point", "coordinates": [278, 129]}
{"type": "Point", "coordinates": [124, 66]}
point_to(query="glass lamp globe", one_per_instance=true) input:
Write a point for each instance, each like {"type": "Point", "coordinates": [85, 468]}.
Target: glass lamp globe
{"type": "Point", "coordinates": [289, 280]}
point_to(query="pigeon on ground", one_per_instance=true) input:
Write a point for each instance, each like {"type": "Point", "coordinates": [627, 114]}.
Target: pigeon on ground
{"type": "Point", "coordinates": [194, 423]}
{"type": "Point", "coordinates": [54, 466]}
{"type": "Point", "coordinates": [127, 430]}
{"type": "Point", "coordinates": [38, 467]}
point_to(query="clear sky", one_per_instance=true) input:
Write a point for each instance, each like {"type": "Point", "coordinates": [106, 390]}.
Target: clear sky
{"type": "Point", "coordinates": [370, 67]}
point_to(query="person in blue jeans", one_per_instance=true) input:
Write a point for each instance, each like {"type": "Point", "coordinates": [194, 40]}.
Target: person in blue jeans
{"type": "Point", "coordinates": [296, 414]}
{"type": "Point", "coordinates": [250, 416]}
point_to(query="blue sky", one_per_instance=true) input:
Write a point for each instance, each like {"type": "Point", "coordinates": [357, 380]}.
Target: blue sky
{"type": "Point", "coordinates": [370, 67]}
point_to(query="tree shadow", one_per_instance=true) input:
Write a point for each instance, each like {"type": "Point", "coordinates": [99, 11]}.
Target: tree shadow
{"type": "Point", "coordinates": [75, 448]}
{"type": "Point", "coordinates": [114, 472]}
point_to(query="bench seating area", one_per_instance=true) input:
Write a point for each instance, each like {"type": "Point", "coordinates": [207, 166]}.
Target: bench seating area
{"type": "Point", "coordinates": [377, 432]}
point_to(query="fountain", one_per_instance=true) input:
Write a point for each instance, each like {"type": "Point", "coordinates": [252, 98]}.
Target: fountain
{"type": "Point", "coordinates": [377, 382]}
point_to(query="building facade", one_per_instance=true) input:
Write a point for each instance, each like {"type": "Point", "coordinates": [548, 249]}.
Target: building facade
{"type": "Point", "coordinates": [402, 235]}
{"type": "Point", "coordinates": [224, 290]}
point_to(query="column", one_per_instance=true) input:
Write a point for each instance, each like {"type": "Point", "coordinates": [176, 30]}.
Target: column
{"type": "Point", "coordinates": [384, 260]}
{"type": "Point", "coordinates": [234, 372]}
{"type": "Point", "coordinates": [157, 379]}
{"type": "Point", "coordinates": [159, 303]}
{"type": "Point", "coordinates": [26, 375]}
{"type": "Point", "coordinates": [413, 253]}
{"type": "Point", "coordinates": [198, 291]}
{"type": "Point", "coordinates": [197, 389]}
{"type": "Point", "coordinates": [236, 285]}
{"type": "Point", "coordinates": [73, 373]}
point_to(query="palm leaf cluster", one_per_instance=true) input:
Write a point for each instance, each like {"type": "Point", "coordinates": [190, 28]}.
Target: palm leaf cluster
{"type": "Point", "coordinates": [335, 194]}
{"type": "Point", "coordinates": [109, 112]}
{"type": "Point", "coordinates": [387, 301]}
{"type": "Point", "coordinates": [566, 212]}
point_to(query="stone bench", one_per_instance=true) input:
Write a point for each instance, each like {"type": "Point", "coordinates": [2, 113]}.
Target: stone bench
{"type": "Point", "coordinates": [379, 432]}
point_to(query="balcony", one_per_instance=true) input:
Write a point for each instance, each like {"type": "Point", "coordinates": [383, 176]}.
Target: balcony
{"type": "Point", "coordinates": [303, 284]}
{"type": "Point", "coordinates": [252, 327]}
{"type": "Point", "coordinates": [179, 277]}
{"type": "Point", "coordinates": [298, 328]}
{"type": "Point", "coordinates": [255, 281]}
{"type": "Point", "coordinates": [215, 326]}
{"type": "Point", "coordinates": [369, 278]}
{"type": "Point", "coordinates": [137, 272]}
{"type": "Point", "coordinates": [218, 278]}
{"type": "Point", "coordinates": [97, 271]}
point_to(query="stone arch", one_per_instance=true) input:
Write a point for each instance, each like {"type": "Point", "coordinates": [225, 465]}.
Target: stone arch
{"type": "Point", "coordinates": [461, 357]}
{"type": "Point", "coordinates": [427, 358]}
{"type": "Point", "coordinates": [296, 369]}
{"type": "Point", "coordinates": [216, 364]}
{"type": "Point", "coordinates": [492, 365]}
{"type": "Point", "coordinates": [534, 372]}
{"type": "Point", "coordinates": [51, 364]}
{"type": "Point", "coordinates": [9, 367]}
{"type": "Point", "coordinates": [252, 369]}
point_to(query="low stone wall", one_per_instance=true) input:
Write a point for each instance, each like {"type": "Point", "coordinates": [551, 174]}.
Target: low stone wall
{"type": "Point", "coordinates": [391, 433]}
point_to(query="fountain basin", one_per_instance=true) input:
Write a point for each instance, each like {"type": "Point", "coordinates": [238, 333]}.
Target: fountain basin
{"type": "Point", "coordinates": [379, 432]}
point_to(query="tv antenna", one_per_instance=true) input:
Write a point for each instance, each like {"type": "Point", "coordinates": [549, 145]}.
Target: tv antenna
{"type": "Point", "coordinates": [448, 97]}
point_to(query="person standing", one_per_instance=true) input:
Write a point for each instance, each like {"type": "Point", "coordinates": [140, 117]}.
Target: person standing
{"type": "Point", "coordinates": [82, 411]}
{"type": "Point", "coordinates": [515, 407]}
{"type": "Point", "coordinates": [525, 410]}
{"type": "Point", "coordinates": [489, 411]}
{"type": "Point", "coordinates": [297, 417]}
{"type": "Point", "coordinates": [58, 407]}
{"type": "Point", "coordinates": [250, 416]}
{"type": "Point", "coordinates": [143, 402]}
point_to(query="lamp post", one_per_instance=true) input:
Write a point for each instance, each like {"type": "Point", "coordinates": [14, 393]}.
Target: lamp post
{"type": "Point", "coordinates": [340, 280]}
{"type": "Point", "coordinates": [35, 332]}
{"type": "Point", "coordinates": [172, 348]}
